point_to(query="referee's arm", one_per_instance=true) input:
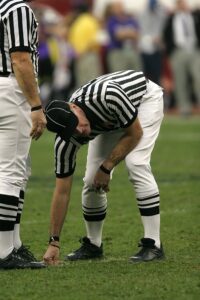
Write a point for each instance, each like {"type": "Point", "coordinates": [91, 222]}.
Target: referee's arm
{"type": "Point", "coordinates": [59, 207]}
{"type": "Point", "coordinates": [24, 73]}
{"type": "Point", "coordinates": [130, 139]}
{"type": "Point", "coordinates": [22, 37]}
{"type": "Point", "coordinates": [126, 144]}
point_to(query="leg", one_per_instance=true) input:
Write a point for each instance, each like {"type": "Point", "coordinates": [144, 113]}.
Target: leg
{"type": "Point", "coordinates": [15, 124]}
{"type": "Point", "coordinates": [17, 239]}
{"type": "Point", "coordinates": [116, 60]}
{"type": "Point", "coordinates": [179, 64]}
{"type": "Point", "coordinates": [194, 65]}
{"type": "Point", "coordinates": [85, 74]}
{"type": "Point", "coordinates": [138, 165]}
{"type": "Point", "coordinates": [15, 141]}
{"type": "Point", "coordinates": [152, 66]}
{"type": "Point", "coordinates": [94, 204]}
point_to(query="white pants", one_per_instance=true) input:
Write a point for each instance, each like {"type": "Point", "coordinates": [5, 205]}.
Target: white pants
{"type": "Point", "coordinates": [150, 114]}
{"type": "Point", "coordinates": [15, 127]}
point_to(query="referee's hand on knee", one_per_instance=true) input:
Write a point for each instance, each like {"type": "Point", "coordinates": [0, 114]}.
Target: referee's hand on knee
{"type": "Point", "coordinates": [38, 124]}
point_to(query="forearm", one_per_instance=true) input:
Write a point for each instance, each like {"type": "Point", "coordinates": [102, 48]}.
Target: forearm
{"type": "Point", "coordinates": [126, 144]}
{"type": "Point", "coordinates": [24, 73]}
{"type": "Point", "coordinates": [59, 206]}
{"type": "Point", "coordinates": [119, 152]}
{"type": "Point", "coordinates": [125, 34]}
{"type": "Point", "coordinates": [58, 212]}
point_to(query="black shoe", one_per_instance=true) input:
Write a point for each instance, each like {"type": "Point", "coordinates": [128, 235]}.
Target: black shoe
{"type": "Point", "coordinates": [148, 252]}
{"type": "Point", "coordinates": [24, 252]}
{"type": "Point", "coordinates": [15, 261]}
{"type": "Point", "coordinates": [86, 251]}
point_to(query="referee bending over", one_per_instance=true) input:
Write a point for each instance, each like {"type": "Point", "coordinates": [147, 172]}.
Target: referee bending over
{"type": "Point", "coordinates": [120, 114]}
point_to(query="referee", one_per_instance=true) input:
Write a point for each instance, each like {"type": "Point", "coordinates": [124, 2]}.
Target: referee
{"type": "Point", "coordinates": [21, 118]}
{"type": "Point", "coordinates": [120, 114]}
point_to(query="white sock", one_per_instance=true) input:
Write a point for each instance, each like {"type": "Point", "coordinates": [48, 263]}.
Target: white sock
{"type": "Point", "coordinates": [94, 232]}
{"type": "Point", "coordinates": [16, 237]}
{"type": "Point", "coordinates": [152, 228]}
{"type": "Point", "coordinates": [17, 240]}
{"type": "Point", "coordinates": [6, 243]}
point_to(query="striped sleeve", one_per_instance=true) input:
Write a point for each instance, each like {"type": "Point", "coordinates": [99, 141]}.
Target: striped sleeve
{"type": "Point", "coordinates": [19, 26]}
{"type": "Point", "coordinates": [120, 105]}
{"type": "Point", "coordinates": [65, 157]}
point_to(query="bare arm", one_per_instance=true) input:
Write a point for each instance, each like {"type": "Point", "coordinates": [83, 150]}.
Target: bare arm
{"type": "Point", "coordinates": [23, 69]}
{"type": "Point", "coordinates": [126, 144]}
{"type": "Point", "coordinates": [24, 73]}
{"type": "Point", "coordinates": [127, 33]}
{"type": "Point", "coordinates": [59, 207]}
{"type": "Point", "coordinates": [60, 202]}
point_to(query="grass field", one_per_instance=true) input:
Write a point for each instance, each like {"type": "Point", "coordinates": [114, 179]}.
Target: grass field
{"type": "Point", "coordinates": [176, 165]}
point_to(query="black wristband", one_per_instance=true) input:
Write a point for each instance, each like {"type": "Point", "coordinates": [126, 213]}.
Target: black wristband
{"type": "Point", "coordinates": [102, 168]}
{"type": "Point", "coordinates": [54, 238]}
{"type": "Point", "coordinates": [34, 108]}
{"type": "Point", "coordinates": [53, 245]}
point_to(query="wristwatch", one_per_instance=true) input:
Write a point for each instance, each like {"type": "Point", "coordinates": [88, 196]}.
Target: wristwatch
{"type": "Point", "coordinates": [53, 238]}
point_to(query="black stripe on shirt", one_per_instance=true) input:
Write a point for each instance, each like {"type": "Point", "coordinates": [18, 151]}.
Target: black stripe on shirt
{"type": "Point", "coordinates": [12, 4]}
{"type": "Point", "coordinates": [20, 25]}
{"type": "Point", "coordinates": [3, 54]}
{"type": "Point", "coordinates": [12, 30]}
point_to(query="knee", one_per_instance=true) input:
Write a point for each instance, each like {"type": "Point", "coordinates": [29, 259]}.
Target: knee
{"type": "Point", "coordinates": [91, 197]}
{"type": "Point", "coordinates": [88, 182]}
{"type": "Point", "coordinates": [141, 176]}
{"type": "Point", "coordinates": [136, 166]}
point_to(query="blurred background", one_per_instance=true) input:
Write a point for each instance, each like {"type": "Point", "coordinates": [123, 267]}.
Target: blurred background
{"type": "Point", "coordinates": [83, 39]}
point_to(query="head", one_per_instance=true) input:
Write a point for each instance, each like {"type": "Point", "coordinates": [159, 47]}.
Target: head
{"type": "Point", "coordinates": [116, 8]}
{"type": "Point", "coordinates": [66, 119]}
{"type": "Point", "coordinates": [182, 5]}
{"type": "Point", "coordinates": [153, 4]}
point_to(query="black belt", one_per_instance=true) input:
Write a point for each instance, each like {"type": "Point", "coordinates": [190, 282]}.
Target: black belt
{"type": "Point", "coordinates": [5, 74]}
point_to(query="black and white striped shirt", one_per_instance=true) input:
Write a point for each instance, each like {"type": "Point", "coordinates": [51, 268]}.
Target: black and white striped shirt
{"type": "Point", "coordinates": [110, 102]}
{"type": "Point", "coordinates": [18, 32]}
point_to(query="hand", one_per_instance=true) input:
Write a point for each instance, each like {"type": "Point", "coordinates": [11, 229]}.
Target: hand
{"type": "Point", "coordinates": [51, 256]}
{"type": "Point", "coordinates": [38, 124]}
{"type": "Point", "coordinates": [101, 181]}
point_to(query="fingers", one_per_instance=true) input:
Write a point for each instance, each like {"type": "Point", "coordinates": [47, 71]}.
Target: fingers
{"type": "Point", "coordinates": [106, 188]}
{"type": "Point", "coordinates": [38, 124]}
{"type": "Point", "coordinates": [101, 187]}
{"type": "Point", "coordinates": [51, 257]}
{"type": "Point", "coordinates": [50, 261]}
{"type": "Point", "coordinates": [37, 132]}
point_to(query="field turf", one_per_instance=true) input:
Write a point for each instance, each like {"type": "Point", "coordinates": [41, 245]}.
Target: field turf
{"type": "Point", "coordinates": [176, 165]}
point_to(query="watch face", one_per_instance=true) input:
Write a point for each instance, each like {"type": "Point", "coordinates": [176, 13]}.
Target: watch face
{"type": "Point", "coordinates": [54, 239]}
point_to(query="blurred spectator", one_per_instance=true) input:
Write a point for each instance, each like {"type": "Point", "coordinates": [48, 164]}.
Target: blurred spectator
{"type": "Point", "coordinates": [123, 30]}
{"type": "Point", "coordinates": [129, 6]}
{"type": "Point", "coordinates": [182, 41]}
{"type": "Point", "coordinates": [56, 63]}
{"type": "Point", "coordinates": [151, 22]}
{"type": "Point", "coordinates": [64, 78]}
{"type": "Point", "coordinates": [83, 37]}
{"type": "Point", "coordinates": [45, 65]}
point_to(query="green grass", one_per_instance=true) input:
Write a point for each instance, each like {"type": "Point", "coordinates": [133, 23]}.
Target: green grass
{"type": "Point", "coordinates": [176, 165]}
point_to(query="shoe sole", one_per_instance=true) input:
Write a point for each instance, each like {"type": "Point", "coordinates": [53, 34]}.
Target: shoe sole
{"type": "Point", "coordinates": [81, 259]}
{"type": "Point", "coordinates": [146, 261]}
{"type": "Point", "coordinates": [31, 267]}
